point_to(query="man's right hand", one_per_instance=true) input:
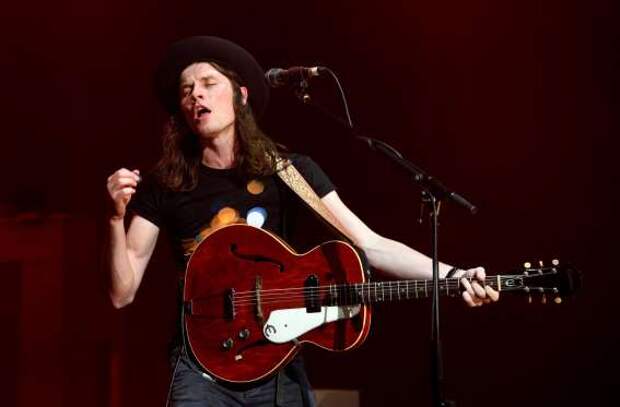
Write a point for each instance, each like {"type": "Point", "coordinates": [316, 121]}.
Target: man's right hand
{"type": "Point", "coordinates": [121, 186]}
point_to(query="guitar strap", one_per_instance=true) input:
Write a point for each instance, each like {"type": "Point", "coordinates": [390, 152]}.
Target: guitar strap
{"type": "Point", "coordinates": [298, 184]}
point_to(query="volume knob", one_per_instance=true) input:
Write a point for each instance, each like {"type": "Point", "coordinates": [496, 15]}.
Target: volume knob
{"type": "Point", "coordinates": [244, 333]}
{"type": "Point", "coordinates": [228, 344]}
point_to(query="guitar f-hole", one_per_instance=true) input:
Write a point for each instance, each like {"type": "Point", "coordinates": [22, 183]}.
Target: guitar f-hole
{"type": "Point", "coordinates": [255, 257]}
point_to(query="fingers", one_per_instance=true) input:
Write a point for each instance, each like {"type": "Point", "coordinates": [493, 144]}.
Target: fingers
{"type": "Point", "coordinates": [491, 293]}
{"type": "Point", "coordinates": [123, 178]}
{"type": "Point", "coordinates": [474, 289]}
{"type": "Point", "coordinates": [121, 198]}
{"type": "Point", "coordinates": [470, 299]}
{"type": "Point", "coordinates": [125, 174]}
{"type": "Point", "coordinates": [468, 288]}
{"type": "Point", "coordinates": [477, 292]}
{"type": "Point", "coordinates": [121, 186]}
{"type": "Point", "coordinates": [480, 292]}
{"type": "Point", "coordinates": [479, 273]}
{"type": "Point", "coordinates": [123, 192]}
{"type": "Point", "coordinates": [474, 301]}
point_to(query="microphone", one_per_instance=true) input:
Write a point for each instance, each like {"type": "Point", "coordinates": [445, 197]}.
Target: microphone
{"type": "Point", "coordinates": [277, 77]}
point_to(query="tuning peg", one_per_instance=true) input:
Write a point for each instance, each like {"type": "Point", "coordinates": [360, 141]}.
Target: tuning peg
{"type": "Point", "coordinates": [555, 262]}
{"type": "Point", "coordinates": [543, 299]}
{"type": "Point", "coordinates": [527, 265]}
{"type": "Point", "coordinates": [529, 296]}
{"type": "Point", "coordinates": [557, 300]}
{"type": "Point", "coordinates": [540, 263]}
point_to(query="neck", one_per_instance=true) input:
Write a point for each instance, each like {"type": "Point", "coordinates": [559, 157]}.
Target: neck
{"type": "Point", "coordinates": [219, 151]}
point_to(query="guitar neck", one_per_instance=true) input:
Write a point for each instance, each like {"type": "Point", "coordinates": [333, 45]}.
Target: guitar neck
{"type": "Point", "coordinates": [384, 291]}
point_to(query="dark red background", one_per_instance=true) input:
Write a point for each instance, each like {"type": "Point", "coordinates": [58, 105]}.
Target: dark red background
{"type": "Point", "coordinates": [512, 103]}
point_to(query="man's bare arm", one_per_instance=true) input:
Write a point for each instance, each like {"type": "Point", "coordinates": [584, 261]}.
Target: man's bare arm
{"type": "Point", "coordinates": [398, 259]}
{"type": "Point", "coordinates": [129, 252]}
{"type": "Point", "coordinates": [129, 255]}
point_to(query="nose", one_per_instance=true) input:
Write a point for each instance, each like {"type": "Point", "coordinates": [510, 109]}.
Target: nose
{"type": "Point", "coordinates": [197, 92]}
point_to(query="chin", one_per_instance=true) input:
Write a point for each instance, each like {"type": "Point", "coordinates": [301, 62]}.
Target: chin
{"type": "Point", "coordinates": [207, 134]}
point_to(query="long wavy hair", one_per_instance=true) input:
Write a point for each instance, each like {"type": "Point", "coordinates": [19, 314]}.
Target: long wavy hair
{"type": "Point", "coordinates": [255, 152]}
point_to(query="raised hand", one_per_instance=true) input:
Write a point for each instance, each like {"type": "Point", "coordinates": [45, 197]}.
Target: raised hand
{"type": "Point", "coordinates": [121, 186]}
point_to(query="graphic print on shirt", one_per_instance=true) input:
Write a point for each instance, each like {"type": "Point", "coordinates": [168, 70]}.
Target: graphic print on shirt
{"type": "Point", "coordinates": [256, 216]}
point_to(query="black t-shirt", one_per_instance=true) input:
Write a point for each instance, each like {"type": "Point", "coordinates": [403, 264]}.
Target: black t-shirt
{"type": "Point", "coordinates": [222, 197]}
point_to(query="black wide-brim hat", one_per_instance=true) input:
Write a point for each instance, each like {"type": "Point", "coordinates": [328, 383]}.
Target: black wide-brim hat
{"type": "Point", "coordinates": [223, 52]}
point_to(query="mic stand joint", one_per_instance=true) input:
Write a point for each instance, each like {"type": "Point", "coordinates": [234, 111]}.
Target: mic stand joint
{"type": "Point", "coordinates": [301, 91]}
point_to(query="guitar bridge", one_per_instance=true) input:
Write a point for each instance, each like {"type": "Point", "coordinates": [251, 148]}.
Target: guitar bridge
{"type": "Point", "coordinates": [229, 304]}
{"type": "Point", "coordinates": [258, 286]}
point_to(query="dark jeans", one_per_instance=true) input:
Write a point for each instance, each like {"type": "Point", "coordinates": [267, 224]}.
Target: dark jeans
{"type": "Point", "coordinates": [189, 388]}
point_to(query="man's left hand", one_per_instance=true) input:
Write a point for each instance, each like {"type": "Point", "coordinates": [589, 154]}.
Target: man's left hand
{"type": "Point", "coordinates": [476, 293]}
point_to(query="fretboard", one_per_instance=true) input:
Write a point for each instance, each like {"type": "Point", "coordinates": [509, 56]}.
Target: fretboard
{"type": "Point", "coordinates": [383, 291]}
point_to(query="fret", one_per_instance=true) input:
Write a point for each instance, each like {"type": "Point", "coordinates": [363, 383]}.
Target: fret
{"type": "Point", "coordinates": [376, 295]}
{"type": "Point", "coordinates": [391, 291]}
{"type": "Point", "coordinates": [426, 288]}
{"type": "Point", "coordinates": [447, 287]}
{"type": "Point", "coordinates": [499, 283]}
{"type": "Point", "coordinates": [415, 287]}
{"type": "Point", "coordinates": [398, 289]}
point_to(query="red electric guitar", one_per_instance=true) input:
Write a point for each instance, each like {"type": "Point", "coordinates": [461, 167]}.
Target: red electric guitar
{"type": "Point", "coordinates": [250, 301]}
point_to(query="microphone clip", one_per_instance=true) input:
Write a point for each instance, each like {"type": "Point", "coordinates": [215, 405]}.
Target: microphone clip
{"type": "Point", "coordinates": [301, 91]}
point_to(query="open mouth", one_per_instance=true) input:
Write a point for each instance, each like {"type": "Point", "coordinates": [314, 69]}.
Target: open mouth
{"type": "Point", "coordinates": [202, 110]}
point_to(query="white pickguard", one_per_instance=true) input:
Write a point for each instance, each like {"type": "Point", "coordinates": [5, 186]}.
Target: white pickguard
{"type": "Point", "coordinates": [288, 324]}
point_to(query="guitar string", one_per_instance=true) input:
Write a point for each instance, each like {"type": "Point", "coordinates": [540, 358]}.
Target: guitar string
{"type": "Point", "coordinates": [354, 297]}
{"type": "Point", "coordinates": [388, 290]}
{"type": "Point", "coordinates": [353, 301]}
{"type": "Point", "coordinates": [442, 282]}
{"type": "Point", "coordinates": [357, 287]}
{"type": "Point", "coordinates": [378, 293]}
{"type": "Point", "coordinates": [451, 283]}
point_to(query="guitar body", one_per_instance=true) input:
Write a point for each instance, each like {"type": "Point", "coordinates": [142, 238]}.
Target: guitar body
{"type": "Point", "coordinates": [250, 301]}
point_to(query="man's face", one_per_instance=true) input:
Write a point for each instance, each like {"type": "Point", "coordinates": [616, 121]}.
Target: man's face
{"type": "Point", "coordinates": [206, 99]}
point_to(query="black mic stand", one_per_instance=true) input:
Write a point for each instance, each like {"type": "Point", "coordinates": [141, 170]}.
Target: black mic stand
{"type": "Point", "coordinates": [434, 192]}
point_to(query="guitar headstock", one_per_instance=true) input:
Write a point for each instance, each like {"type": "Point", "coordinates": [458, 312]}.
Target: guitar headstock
{"type": "Point", "coordinates": [548, 282]}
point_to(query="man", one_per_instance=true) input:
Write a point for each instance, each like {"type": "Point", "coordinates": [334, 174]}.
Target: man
{"type": "Point", "coordinates": [218, 167]}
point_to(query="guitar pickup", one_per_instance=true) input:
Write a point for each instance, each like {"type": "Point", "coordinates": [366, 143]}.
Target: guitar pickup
{"type": "Point", "coordinates": [215, 306]}
{"type": "Point", "coordinates": [312, 297]}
